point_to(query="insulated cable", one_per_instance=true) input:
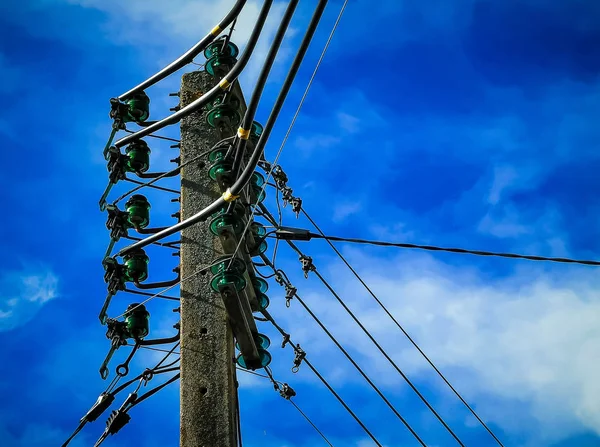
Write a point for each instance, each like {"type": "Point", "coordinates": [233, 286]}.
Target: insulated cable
{"type": "Point", "coordinates": [414, 343]}
{"type": "Point", "coordinates": [213, 92]}
{"type": "Point", "coordinates": [240, 183]}
{"type": "Point", "coordinates": [350, 359]}
{"type": "Point", "coordinates": [286, 336]}
{"type": "Point", "coordinates": [368, 334]}
{"type": "Point", "coordinates": [189, 55]}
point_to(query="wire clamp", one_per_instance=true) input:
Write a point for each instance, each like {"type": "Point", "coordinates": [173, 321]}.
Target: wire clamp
{"type": "Point", "coordinates": [280, 178]}
{"type": "Point", "coordinates": [285, 341]}
{"type": "Point", "coordinates": [307, 265]}
{"type": "Point", "coordinates": [290, 291]}
{"type": "Point", "coordinates": [296, 203]}
{"type": "Point", "coordinates": [300, 355]}
{"type": "Point", "coordinates": [286, 391]}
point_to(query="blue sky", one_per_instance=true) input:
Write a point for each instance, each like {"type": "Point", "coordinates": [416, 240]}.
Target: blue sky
{"type": "Point", "coordinates": [465, 123]}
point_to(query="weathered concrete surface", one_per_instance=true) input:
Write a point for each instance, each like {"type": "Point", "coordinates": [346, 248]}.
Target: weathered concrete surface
{"type": "Point", "coordinates": [208, 393]}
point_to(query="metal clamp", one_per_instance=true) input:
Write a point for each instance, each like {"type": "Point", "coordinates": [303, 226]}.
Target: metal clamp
{"type": "Point", "coordinates": [307, 265]}
{"type": "Point", "coordinates": [286, 391]}
{"type": "Point", "coordinates": [300, 355]}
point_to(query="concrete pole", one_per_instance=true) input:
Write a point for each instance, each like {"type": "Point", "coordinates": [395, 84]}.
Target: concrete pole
{"type": "Point", "coordinates": [208, 381]}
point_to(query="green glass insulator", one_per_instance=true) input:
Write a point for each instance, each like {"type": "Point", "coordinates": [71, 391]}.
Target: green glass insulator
{"type": "Point", "coordinates": [259, 249]}
{"type": "Point", "coordinates": [138, 107]}
{"type": "Point", "coordinates": [261, 340]}
{"type": "Point", "coordinates": [138, 211]}
{"type": "Point", "coordinates": [258, 230]}
{"type": "Point", "coordinates": [223, 220]}
{"type": "Point", "coordinates": [265, 359]}
{"type": "Point", "coordinates": [217, 154]}
{"type": "Point", "coordinates": [137, 320]}
{"type": "Point", "coordinates": [263, 301]}
{"type": "Point", "coordinates": [220, 169]}
{"type": "Point", "coordinates": [260, 285]}
{"type": "Point", "coordinates": [138, 156]}
{"type": "Point", "coordinates": [237, 280]}
{"type": "Point", "coordinates": [259, 193]}
{"type": "Point", "coordinates": [228, 112]}
{"type": "Point", "coordinates": [257, 180]}
{"type": "Point", "coordinates": [255, 132]}
{"type": "Point", "coordinates": [224, 263]}
{"type": "Point", "coordinates": [136, 266]}
{"type": "Point", "coordinates": [256, 183]}
{"type": "Point", "coordinates": [216, 48]}
{"type": "Point", "coordinates": [219, 65]}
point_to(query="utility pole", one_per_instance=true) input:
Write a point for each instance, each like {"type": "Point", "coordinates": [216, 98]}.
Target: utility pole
{"type": "Point", "coordinates": [208, 380]}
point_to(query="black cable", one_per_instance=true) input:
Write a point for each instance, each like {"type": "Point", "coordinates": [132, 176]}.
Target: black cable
{"type": "Point", "coordinates": [160, 188]}
{"type": "Point", "coordinates": [152, 392]}
{"type": "Point", "coordinates": [159, 137]}
{"type": "Point", "coordinates": [368, 334]}
{"type": "Point", "coordinates": [322, 379]}
{"type": "Point", "coordinates": [190, 54]}
{"type": "Point", "coordinates": [209, 96]}
{"type": "Point", "coordinates": [403, 330]}
{"type": "Point", "coordinates": [385, 354]}
{"type": "Point", "coordinates": [261, 82]}
{"type": "Point", "coordinates": [351, 360]}
{"type": "Point", "coordinates": [457, 250]}
{"type": "Point", "coordinates": [106, 399]}
{"type": "Point", "coordinates": [164, 297]}
{"type": "Point", "coordinates": [167, 174]}
{"type": "Point", "coordinates": [240, 183]}
{"type": "Point", "coordinates": [310, 422]}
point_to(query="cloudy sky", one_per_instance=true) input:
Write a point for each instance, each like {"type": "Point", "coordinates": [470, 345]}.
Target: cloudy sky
{"type": "Point", "coordinates": [467, 123]}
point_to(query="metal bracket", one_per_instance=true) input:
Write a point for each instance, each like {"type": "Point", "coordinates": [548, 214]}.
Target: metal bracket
{"type": "Point", "coordinates": [159, 285]}
{"type": "Point", "coordinates": [286, 391]}
{"type": "Point", "coordinates": [300, 354]}
{"type": "Point", "coordinates": [242, 324]}
{"type": "Point", "coordinates": [307, 265]}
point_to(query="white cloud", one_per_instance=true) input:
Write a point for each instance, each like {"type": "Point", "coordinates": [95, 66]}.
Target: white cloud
{"type": "Point", "coordinates": [24, 292]}
{"type": "Point", "coordinates": [349, 123]}
{"type": "Point", "coordinates": [527, 340]}
{"type": "Point", "coordinates": [165, 30]}
{"type": "Point", "coordinates": [342, 210]}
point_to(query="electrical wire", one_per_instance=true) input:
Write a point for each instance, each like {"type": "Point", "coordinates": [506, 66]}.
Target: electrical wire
{"type": "Point", "coordinates": [167, 174]}
{"type": "Point", "coordinates": [310, 422]}
{"type": "Point", "coordinates": [457, 250]}
{"type": "Point", "coordinates": [189, 55]}
{"type": "Point", "coordinates": [368, 334]}
{"type": "Point", "coordinates": [352, 361]}
{"type": "Point", "coordinates": [164, 297]}
{"type": "Point", "coordinates": [299, 56]}
{"type": "Point", "coordinates": [244, 178]}
{"type": "Point", "coordinates": [312, 78]}
{"type": "Point", "coordinates": [323, 380]}
{"type": "Point", "coordinates": [261, 82]}
{"type": "Point", "coordinates": [159, 137]}
{"type": "Point", "coordinates": [414, 343]}
{"type": "Point", "coordinates": [108, 396]}
{"type": "Point", "coordinates": [160, 188]}
{"type": "Point", "coordinates": [187, 278]}
{"type": "Point", "coordinates": [209, 96]}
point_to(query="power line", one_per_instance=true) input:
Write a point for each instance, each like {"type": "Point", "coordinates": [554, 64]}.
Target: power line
{"type": "Point", "coordinates": [368, 334]}
{"type": "Point", "coordinates": [310, 422]}
{"type": "Point", "coordinates": [286, 336]}
{"type": "Point", "coordinates": [402, 329]}
{"type": "Point", "coordinates": [351, 360]}
{"type": "Point", "coordinates": [287, 84]}
{"type": "Point", "coordinates": [156, 295]}
{"type": "Point", "coordinates": [300, 234]}
{"type": "Point", "coordinates": [287, 393]}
